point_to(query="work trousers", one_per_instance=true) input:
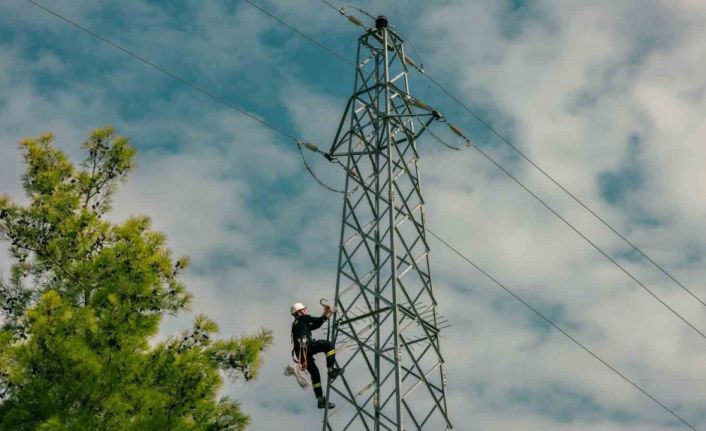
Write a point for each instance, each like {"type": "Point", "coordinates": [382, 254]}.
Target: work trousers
{"type": "Point", "coordinates": [319, 346]}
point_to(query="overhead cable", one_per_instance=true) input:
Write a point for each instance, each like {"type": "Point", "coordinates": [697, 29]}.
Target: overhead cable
{"type": "Point", "coordinates": [565, 190]}
{"type": "Point", "coordinates": [142, 59]}
{"type": "Point", "coordinates": [311, 171]}
{"type": "Point", "coordinates": [570, 225]}
{"type": "Point", "coordinates": [300, 33]}
{"type": "Point", "coordinates": [552, 179]}
{"type": "Point", "coordinates": [331, 5]}
{"type": "Point", "coordinates": [551, 209]}
{"type": "Point", "coordinates": [163, 70]}
{"type": "Point", "coordinates": [560, 329]}
{"type": "Point", "coordinates": [190, 84]}
{"type": "Point", "coordinates": [535, 165]}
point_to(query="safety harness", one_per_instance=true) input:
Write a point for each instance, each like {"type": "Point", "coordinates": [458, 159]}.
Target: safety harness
{"type": "Point", "coordinates": [303, 354]}
{"type": "Point", "coordinates": [300, 355]}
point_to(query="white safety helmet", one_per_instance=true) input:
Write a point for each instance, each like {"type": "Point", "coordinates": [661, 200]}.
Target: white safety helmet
{"type": "Point", "coordinates": [296, 307]}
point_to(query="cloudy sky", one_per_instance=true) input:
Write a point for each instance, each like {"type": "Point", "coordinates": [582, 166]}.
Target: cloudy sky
{"type": "Point", "coordinates": [607, 96]}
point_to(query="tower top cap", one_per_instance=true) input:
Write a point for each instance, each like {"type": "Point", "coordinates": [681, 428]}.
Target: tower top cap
{"type": "Point", "coordinates": [381, 21]}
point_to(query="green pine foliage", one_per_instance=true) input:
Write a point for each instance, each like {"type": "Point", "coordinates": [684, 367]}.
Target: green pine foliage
{"type": "Point", "coordinates": [83, 301]}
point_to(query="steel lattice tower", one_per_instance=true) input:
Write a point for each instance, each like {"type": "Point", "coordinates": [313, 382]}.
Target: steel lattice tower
{"type": "Point", "coordinates": [387, 326]}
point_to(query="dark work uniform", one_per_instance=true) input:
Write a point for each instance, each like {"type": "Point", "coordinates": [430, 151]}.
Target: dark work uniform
{"type": "Point", "coordinates": [301, 335]}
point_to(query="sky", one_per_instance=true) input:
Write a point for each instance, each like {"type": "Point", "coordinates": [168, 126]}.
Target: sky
{"type": "Point", "coordinates": [606, 96]}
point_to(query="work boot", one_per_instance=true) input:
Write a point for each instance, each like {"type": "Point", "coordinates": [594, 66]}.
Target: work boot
{"type": "Point", "coordinates": [321, 403]}
{"type": "Point", "coordinates": [334, 372]}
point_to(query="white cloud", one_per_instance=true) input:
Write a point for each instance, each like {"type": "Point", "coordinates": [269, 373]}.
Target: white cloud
{"type": "Point", "coordinates": [570, 82]}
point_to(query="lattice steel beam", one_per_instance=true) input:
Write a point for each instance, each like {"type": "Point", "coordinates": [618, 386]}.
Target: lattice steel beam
{"type": "Point", "coordinates": [387, 327]}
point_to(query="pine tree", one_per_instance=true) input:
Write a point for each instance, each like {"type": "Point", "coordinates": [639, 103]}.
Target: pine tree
{"type": "Point", "coordinates": [83, 303]}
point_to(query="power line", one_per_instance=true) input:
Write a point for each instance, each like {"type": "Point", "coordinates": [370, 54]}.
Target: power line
{"type": "Point", "coordinates": [560, 329]}
{"type": "Point", "coordinates": [313, 174]}
{"type": "Point", "coordinates": [331, 5]}
{"type": "Point", "coordinates": [201, 90]}
{"type": "Point", "coordinates": [165, 71]}
{"type": "Point", "coordinates": [540, 200]}
{"type": "Point", "coordinates": [565, 190]}
{"type": "Point", "coordinates": [513, 294]}
{"type": "Point", "coordinates": [549, 321]}
{"type": "Point", "coordinates": [575, 229]}
{"type": "Point", "coordinates": [302, 34]}
{"type": "Point", "coordinates": [548, 176]}
{"type": "Point", "coordinates": [552, 179]}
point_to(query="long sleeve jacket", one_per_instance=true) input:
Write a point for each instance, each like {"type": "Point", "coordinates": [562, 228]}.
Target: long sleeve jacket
{"type": "Point", "coordinates": [302, 327]}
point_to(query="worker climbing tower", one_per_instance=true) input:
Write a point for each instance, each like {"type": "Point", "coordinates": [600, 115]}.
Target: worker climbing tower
{"type": "Point", "coordinates": [387, 327]}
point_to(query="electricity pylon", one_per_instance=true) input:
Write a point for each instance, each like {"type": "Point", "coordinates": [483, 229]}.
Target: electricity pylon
{"type": "Point", "coordinates": [387, 327]}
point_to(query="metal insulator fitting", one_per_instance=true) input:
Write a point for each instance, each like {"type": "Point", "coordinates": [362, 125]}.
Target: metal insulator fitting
{"type": "Point", "coordinates": [381, 22]}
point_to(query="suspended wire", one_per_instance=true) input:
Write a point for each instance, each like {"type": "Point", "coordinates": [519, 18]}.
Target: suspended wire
{"type": "Point", "coordinates": [560, 329]}
{"type": "Point", "coordinates": [163, 70]}
{"type": "Point", "coordinates": [299, 143]}
{"type": "Point", "coordinates": [506, 141]}
{"type": "Point", "coordinates": [342, 9]}
{"type": "Point", "coordinates": [191, 84]}
{"type": "Point", "coordinates": [444, 143]}
{"type": "Point", "coordinates": [369, 15]}
{"type": "Point", "coordinates": [496, 133]}
{"type": "Point", "coordinates": [351, 18]}
{"type": "Point", "coordinates": [304, 35]}
{"type": "Point", "coordinates": [565, 190]}
{"type": "Point", "coordinates": [356, 21]}
{"type": "Point", "coordinates": [553, 180]}
{"type": "Point", "coordinates": [332, 6]}
{"type": "Point", "coordinates": [313, 175]}
{"type": "Point", "coordinates": [574, 228]}
{"type": "Point", "coordinates": [438, 139]}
